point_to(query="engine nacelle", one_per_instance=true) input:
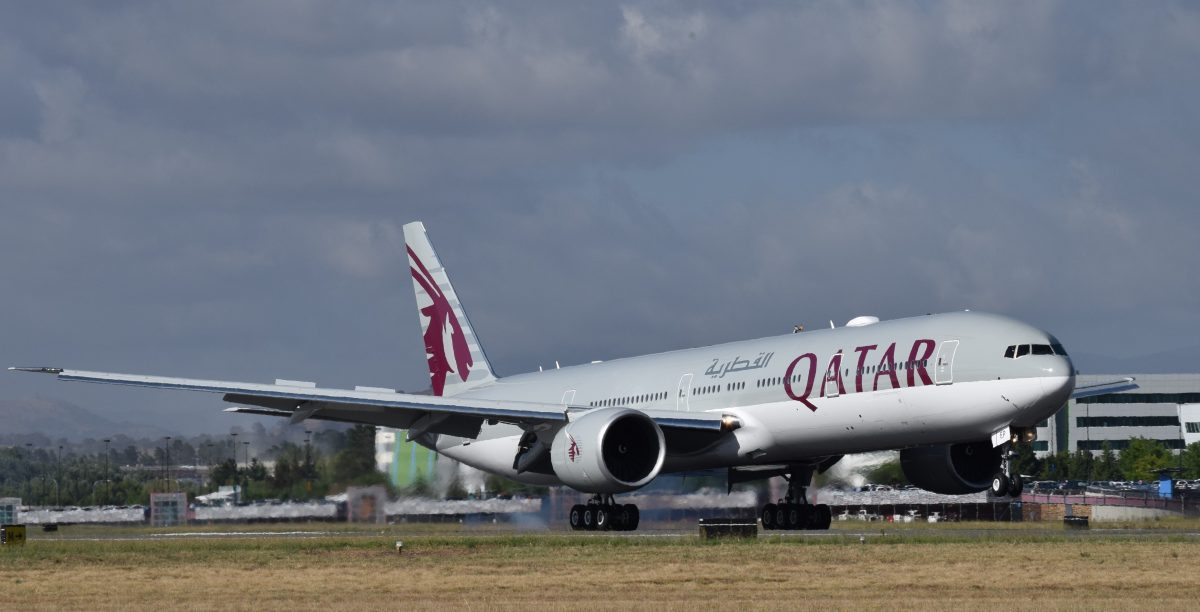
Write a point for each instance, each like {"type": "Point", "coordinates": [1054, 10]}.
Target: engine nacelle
{"type": "Point", "coordinates": [609, 450]}
{"type": "Point", "coordinates": [951, 469]}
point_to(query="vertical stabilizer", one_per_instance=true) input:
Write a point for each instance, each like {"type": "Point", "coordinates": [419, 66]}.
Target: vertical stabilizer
{"type": "Point", "coordinates": [456, 361]}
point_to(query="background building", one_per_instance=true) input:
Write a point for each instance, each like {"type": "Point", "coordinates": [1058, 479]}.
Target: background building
{"type": "Point", "coordinates": [1165, 408]}
{"type": "Point", "coordinates": [405, 462]}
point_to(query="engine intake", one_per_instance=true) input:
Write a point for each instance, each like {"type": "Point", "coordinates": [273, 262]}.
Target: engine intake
{"type": "Point", "coordinates": [951, 469]}
{"type": "Point", "coordinates": [609, 450]}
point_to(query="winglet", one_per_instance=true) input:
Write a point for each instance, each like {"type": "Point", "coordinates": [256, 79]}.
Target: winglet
{"type": "Point", "coordinates": [38, 370]}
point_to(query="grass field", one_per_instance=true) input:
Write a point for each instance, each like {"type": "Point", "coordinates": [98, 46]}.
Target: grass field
{"type": "Point", "coordinates": [960, 566]}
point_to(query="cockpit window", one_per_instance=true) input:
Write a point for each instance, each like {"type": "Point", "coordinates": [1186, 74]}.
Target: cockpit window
{"type": "Point", "coordinates": [1020, 350]}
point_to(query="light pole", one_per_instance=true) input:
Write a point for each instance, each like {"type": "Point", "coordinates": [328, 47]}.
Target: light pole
{"type": "Point", "coordinates": [246, 478]}
{"type": "Point", "coordinates": [167, 464]}
{"type": "Point", "coordinates": [308, 461]}
{"type": "Point", "coordinates": [29, 447]}
{"type": "Point", "coordinates": [58, 470]}
{"type": "Point", "coordinates": [107, 481]}
{"type": "Point", "coordinates": [208, 462]}
{"type": "Point", "coordinates": [237, 491]}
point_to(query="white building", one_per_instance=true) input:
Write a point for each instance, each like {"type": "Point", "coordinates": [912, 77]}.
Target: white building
{"type": "Point", "coordinates": [1163, 408]}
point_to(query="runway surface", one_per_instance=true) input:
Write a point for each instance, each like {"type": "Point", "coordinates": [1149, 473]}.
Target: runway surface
{"type": "Point", "coordinates": [841, 533]}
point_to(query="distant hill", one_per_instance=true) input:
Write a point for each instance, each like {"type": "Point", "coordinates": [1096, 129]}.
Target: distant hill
{"type": "Point", "coordinates": [60, 419]}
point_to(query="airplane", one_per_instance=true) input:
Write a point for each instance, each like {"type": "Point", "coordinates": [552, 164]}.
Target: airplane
{"type": "Point", "coordinates": [952, 392]}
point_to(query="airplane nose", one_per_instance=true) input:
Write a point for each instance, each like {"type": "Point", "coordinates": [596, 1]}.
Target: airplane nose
{"type": "Point", "coordinates": [1058, 386]}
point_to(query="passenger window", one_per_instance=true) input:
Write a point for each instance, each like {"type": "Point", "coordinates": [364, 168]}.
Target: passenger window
{"type": "Point", "coordinates": [1022, 350]}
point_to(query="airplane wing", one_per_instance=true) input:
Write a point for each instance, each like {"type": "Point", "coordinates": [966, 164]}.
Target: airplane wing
{"type": "Point", "coordinates": [1104, 388]}
{"type": "Point", "coordinates": [420, 414]}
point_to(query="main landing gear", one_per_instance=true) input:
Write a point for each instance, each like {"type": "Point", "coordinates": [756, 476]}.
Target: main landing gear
{"type": "Point", "coordinates": [603, 513]}
{"type": "Point", "coordinates": [1007, 481]}
{"type": "Point", "coordinates": [794, 511]}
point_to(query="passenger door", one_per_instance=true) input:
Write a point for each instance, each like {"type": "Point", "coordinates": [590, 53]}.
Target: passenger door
{"type": "Point", "coordinates": [682, 393]}
{"type": "Point", "coordinates": [943, 368]}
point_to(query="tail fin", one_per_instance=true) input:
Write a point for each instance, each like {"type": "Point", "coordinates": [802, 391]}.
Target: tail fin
{"type": "Point", "coordinates": [456, 360]}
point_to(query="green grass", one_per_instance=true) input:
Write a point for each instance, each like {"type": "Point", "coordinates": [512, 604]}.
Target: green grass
{"type": "Point", "coordinates": [914, 566]}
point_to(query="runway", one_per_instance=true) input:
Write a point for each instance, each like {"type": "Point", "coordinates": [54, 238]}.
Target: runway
{"type": "Point", "coordinates": [1187, 531]}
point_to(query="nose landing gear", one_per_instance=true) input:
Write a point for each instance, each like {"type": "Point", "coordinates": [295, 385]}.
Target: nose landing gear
{"type": "Point", "coordinates": [1007, 481]}
{"type": "Point", "coordinates": [793, 512]}
{"type": "Point", "coordinates": [603, 513]}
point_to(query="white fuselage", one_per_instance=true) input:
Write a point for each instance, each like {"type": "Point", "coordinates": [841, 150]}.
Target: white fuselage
{"type": "Point", "coordinates": [935, 379]}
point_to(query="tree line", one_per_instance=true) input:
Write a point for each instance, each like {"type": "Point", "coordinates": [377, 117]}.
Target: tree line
{"type": "Point", "coordinates": [82, 475]}
{"type": "Point", "coordinates": [1141, 460]}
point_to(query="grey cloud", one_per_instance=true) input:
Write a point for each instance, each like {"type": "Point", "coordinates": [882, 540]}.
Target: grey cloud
{"type": "Point", "coordinates": [216, 189]}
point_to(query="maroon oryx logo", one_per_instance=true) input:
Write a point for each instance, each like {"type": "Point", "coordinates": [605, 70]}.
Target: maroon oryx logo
{"type": "Point", "coordinates": [440, 320]}
{"type": "Point", "coordinates": [573, 451]}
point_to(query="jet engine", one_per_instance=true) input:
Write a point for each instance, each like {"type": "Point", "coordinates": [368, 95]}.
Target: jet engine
{"type": "Point", "coordinates": [609, 450]}
{"type": "Point", "coordinates": [951, 469]}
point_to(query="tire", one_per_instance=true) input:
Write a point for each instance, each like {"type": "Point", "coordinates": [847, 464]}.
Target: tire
{"type": "Point", "coordinates": [589, 518]}
{"type": "Point", "coordinates": [620, 517]}
{"type": "Point", "coordinates": [768, 516]}
{"type": "Point", "coordinates": [603, 518]}
{"type": "Point", "coordinates": [1016, 485]}
{"type": "Point", "coordinates": [795, 517]}
{"type": "Point", "coordinates": [576, 517]}
{"type": "Point", "coordinates": [634, 517]}
{"type": "Point", "coordinates": [807, 511]}
{"type": "Point", "coordinates": [822, 517]}
{"type": "Point", "coordinates": [999, 485]}
{"type": "Point", "coordinates": [781, 516]}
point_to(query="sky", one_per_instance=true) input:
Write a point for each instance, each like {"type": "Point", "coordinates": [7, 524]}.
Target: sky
{"type": "Point", "coordinates": [216, 189]}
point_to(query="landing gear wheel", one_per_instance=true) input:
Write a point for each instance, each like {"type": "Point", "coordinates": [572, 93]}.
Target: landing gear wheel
{"type": "Point", "coordinates": [768, 516]}
{"type": "Point", "coordinates": [633, 516]}
{"type": "Point", "coordinates": [781, 516]}
{"type": "Point", "coordinates": [589, 517]}
{"type": "Point", "coordinates": [1016, 484]}
{"type": "Point", "coordinates": [806, 516]}
{"type": "Point", "coordinates": [620, 518]}
{"type": "Point", "coordinates": [603, 518]}
{"type": "Point", "coordinates": [822, 517]}
{"type": "Point", "coordinates": [576, 517]}
{"type": "Point", "coordinates": [999, 484]}
{"type": "Point", "coordinates": [795, 517]}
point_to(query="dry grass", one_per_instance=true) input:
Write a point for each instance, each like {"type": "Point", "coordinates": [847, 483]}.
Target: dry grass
{"type": "Point", "coordinates": [906, 569]}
